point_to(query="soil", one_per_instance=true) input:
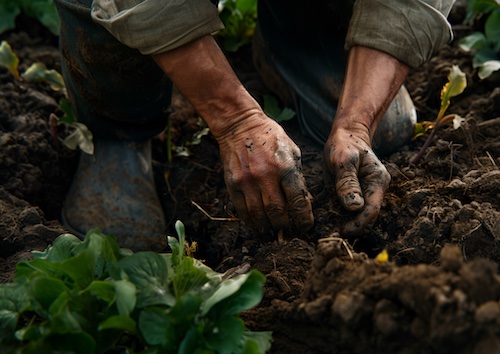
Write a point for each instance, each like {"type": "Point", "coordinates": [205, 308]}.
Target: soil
{"type": "Point", "coordinates": [439, 292]}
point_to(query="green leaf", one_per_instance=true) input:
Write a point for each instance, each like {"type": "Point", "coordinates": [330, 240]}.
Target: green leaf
{"type": "Point", "coordinates": [103, 290]}
{"type": "Point", "coordinates": [272, 109]}
{"type": "Point", "coordinates": [26, 269]}
{"type": "Point", "coordinates": [66, 107]}
{"type": "Point", "coordinates": [257, 342]}
{"type": "Point", "coordinates": [38, 72]}
{"type": "Point", "coordinates": [61, 250]}
{"type": "Point", "coordinates": [473, 41]}
{"type": "Point", "coordinates": [236, 294]}
{"type": "Point", "coordinates": [124, 323]}
{"type": "Point", "coordinates": [126, 296]}
{"type": "Point", "coordinates": [13, 299]}
{"type": "Point", "coordinates": [61, 316]}
{"type": "Point", "coordinates": [45, 291]}
{"type": "Point", "coordinates": [9, 10]}
{"type": "Point", "coordinates": [483, 56]}
{"type": "Point", "coordinates": [457, 82]}
{"type": "Point", "coordinates": [488, 68]}
{"type": "Point", "coordinates": [492, 27]}
{"type": "Point", "coordinates": [225, 337]}
{"type": "Point", "coordinates": [148, 271]}
{"type": "Point", "coordinates": [9, 59]}
{"type": "Point", "coordinates": [156, 327]}
{"type": "Point", "coordinates": [45, 11]}
{"type": "Point", "coordinates": [247, 6]}
{"type": "Point", "coordinates": [80, 268]}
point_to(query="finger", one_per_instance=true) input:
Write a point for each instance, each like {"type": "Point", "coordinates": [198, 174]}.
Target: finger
{"type": "Point", "coordinates": [298, 199]}
{"type": "Point", "coordinates": [376, 183]}
{"type": "Point", "coordinates": [362, 223]}
{"type": "Point", "coordinates": [347, 184]}
{"type": "Point", "coordinates": [256, 211]}
{"type": "Point", "coordinates": [275, 207]}
{"type": "Point", "coordinates": [239, 203]}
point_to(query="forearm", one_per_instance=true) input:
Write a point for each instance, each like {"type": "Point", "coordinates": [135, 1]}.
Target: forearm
{"type": "Point", "coordinates": [372, 80]}
{"type": "Point", "coordinates": [204, 76]}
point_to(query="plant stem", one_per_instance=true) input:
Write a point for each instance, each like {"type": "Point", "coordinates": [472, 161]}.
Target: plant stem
{"type": "Point", "coordinates": [438, 124]}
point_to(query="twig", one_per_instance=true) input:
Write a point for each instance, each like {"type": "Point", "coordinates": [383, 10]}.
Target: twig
{"type": "Point", "coordinates": [212, 217]}
{"type": "Point", "coordinates": [342, 242]}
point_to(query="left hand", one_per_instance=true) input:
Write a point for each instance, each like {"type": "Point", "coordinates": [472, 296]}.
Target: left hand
{"type": "Point", "coordinates": [361, 180]}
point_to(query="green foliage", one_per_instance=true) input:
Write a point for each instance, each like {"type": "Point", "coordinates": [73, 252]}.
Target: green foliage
{"type": "Point", "coordinates": [272, 109]}
{"type": "Point", "coordinates": [43, 10]}
{"type": "Point", "coordinates": [239, 18]}
{"type": "Point", "coordinates": [91, 296]}
{"type": "Point", "coordinates": [485, 45]}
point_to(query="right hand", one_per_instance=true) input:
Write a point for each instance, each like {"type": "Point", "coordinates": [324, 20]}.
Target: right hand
{"type": "Point", "coordinates": [263, 174]}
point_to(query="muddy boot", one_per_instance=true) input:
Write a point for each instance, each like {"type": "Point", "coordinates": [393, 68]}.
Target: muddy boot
{"type": "Point", "coordinates": [306, 70]}
{"type": "Point", "coordinates": [114, 190]}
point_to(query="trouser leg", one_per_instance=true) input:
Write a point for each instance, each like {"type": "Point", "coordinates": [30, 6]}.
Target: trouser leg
{"type": "Point", "coordinates": [122, 97]}
{"type": "Point", "coordinates": [117, 92]}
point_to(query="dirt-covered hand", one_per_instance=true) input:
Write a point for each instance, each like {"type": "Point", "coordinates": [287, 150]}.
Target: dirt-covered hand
{"type": "Point", "coordinates": [361, 180]}
{"type": "Point", "coordinates": [263, 174]}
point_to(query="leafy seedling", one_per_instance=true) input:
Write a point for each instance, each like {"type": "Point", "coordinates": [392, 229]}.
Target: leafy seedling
{"type": "Point", "coordinates": [9, 59]}
{"type": "Point", "coordinates": [457, 82]}
{"type": "Point", "coordinates": [38, 72]}
{"type": "Point", "coordinates": [272, 109]}
{"type": "Point", "coordinates": [80, 137]}
{"type": "Point", "coordinates": [91, 296]}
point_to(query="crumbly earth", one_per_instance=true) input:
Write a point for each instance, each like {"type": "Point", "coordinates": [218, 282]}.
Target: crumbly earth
{"type": "Point", "coordinates": [440, 222]}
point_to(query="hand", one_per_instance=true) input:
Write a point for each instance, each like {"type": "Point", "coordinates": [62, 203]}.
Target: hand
{"type": "Point", "coordinates": [361, 180]}
{"type": "Point", "coordinates": [263, 174]}
{"type": "Point", "coordinates": [262, 165]}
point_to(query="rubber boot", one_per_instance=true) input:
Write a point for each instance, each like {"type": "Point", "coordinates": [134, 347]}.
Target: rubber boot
{"type": "Point", "coordinates": [307, 72]}
{"type": "Point", "coordinates": [114, 190]}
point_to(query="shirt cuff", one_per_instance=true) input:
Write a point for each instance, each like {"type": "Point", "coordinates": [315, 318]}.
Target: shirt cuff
{"type": "Point", "coordinates": [412, 31]}
{"type": "Point", "coordinates": [153, 26]}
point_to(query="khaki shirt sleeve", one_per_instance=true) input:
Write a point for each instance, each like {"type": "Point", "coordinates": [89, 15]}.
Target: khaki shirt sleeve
{"type": "Point", "coordinates": [409, 30]}
{"type": "Point", "coordinates": [155, 26]}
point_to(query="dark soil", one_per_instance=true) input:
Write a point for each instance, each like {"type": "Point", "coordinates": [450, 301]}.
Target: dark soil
{"type": "Point", "coordinates": [440, 222]}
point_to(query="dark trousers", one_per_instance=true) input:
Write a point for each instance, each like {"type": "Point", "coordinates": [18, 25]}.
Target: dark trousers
{"type": "Point", "coordinates": [115, 90]}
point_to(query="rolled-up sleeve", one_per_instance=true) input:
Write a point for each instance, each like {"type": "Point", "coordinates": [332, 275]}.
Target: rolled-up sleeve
{"type": "Point", "coordinates": [155, 26]}
{"type": "Point", "coordinates": [410, 30]}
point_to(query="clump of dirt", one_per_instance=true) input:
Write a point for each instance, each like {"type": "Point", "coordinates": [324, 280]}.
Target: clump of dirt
{"type": "Point", "coordinates": [353, 304]}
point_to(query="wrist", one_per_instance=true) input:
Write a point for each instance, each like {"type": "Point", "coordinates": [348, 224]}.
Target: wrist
{"type": "Point", "coordinates": [201, 72]}
{"type": "Point", "coordinates": [353, 126]}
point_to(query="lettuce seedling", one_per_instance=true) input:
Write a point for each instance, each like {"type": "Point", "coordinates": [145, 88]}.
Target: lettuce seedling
{"type": "Point", "coordinates": [457, 82]}
{"type": "Point", "coordinates": [91, 296]}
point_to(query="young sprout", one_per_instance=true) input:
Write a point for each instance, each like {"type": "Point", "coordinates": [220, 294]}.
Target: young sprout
{"type": "Point", "coordinates": [9, 59]}
{"type": "Point", "coordinates": [38, 72]}
{"type": "Point", "coordinates": [457, 82]}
